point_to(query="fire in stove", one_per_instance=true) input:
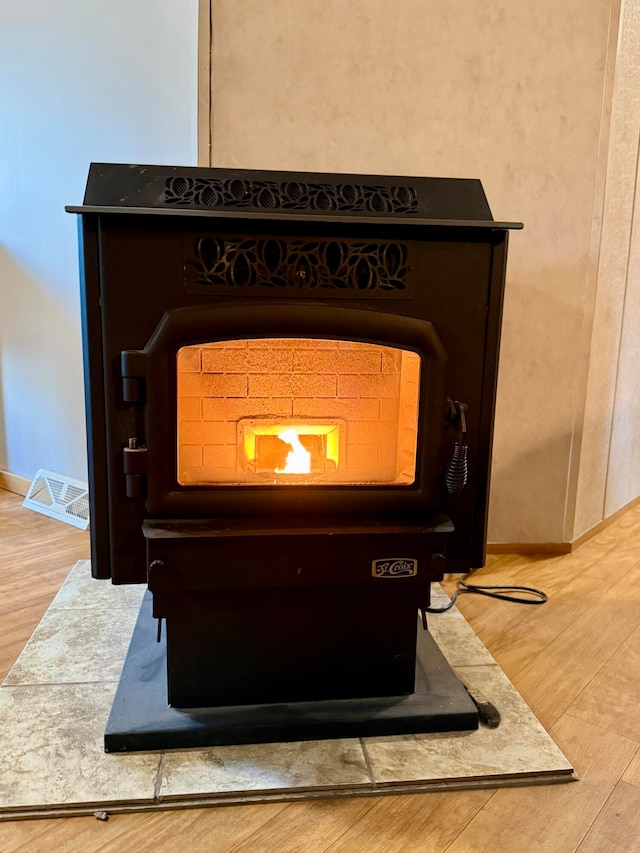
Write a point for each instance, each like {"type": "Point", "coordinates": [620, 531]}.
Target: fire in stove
{"type": "Point", "coordinates": [298, 458]}
{"type": "Point", "coordinates": [310, 449]}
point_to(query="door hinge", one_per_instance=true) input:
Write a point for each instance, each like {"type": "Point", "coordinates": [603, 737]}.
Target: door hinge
{"type": "Point", "coordinates": [133, 369]}
{"type": "Point", "coordinates": [135, 468]}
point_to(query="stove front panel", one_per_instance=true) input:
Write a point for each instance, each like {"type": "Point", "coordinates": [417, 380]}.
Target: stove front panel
{"type": "Point", "coordinates": [137, 274]}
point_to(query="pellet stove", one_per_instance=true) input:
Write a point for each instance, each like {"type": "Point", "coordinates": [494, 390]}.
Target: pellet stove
{"type": "Point", "coordinates": [290, 386]}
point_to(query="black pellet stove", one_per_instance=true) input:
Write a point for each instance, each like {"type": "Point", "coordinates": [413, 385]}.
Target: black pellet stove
{"type": "Point", "coordinates": [290, 384]}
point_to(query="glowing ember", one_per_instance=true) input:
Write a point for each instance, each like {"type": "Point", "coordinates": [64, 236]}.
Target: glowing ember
{"type": "Point", "coordinates": [298, 459]}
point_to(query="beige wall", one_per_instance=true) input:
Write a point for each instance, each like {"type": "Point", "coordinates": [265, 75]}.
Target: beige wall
{"type": "Point", "coordinates": [515, 93]}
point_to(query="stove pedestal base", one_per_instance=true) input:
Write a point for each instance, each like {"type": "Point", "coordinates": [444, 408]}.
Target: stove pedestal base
{"type": "Point", "coordinates": [141, 719]}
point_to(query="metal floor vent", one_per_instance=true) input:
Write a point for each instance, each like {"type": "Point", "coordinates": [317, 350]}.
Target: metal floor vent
{"type": "Point", "coordinates": [59, 497]}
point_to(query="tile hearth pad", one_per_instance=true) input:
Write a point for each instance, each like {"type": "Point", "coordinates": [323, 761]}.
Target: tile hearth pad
{"type": "Point", "coordinates": [55, 702]}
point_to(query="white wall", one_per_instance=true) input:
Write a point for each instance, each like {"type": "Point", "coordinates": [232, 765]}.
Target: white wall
{"type": "Point", "coordinates": [105, 80]}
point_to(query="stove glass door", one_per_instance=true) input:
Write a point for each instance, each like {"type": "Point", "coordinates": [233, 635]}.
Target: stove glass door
{"type": "Point", "coordinates": [297, 411]}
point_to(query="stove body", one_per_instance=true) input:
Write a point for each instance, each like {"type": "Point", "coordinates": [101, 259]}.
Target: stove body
{"type": "Point", "coordinates": [280, 369]}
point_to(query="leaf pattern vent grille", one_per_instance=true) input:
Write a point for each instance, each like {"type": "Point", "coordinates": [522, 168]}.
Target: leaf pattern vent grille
{"type": "Point", "coordinates": [290, 196]}
{"type": "Point", "coordinates": [246, 262]}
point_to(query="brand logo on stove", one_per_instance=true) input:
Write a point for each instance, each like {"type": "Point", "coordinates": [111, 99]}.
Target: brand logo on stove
{"type": "Point", "coordinates": [394, 567]}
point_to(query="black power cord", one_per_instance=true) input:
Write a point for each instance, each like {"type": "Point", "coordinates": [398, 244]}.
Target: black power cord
{"type": "Point", "coordinates": [524, 594]}
{"type": "Point", "coordinates": [488, 714]}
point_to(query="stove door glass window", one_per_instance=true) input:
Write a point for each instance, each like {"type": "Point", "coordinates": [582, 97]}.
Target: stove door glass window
{"type": "Point", "coordinates": [279, 411]}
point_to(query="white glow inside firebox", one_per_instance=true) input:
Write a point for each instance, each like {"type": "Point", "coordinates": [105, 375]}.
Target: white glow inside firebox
{"type": "Point", "coordinates": [298, 459]}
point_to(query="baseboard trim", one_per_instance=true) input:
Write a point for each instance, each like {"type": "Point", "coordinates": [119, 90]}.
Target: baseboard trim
{"type": "Point", "coordinates": [530, 548]}
{"type": "Point", "coordinates": [14, 483]}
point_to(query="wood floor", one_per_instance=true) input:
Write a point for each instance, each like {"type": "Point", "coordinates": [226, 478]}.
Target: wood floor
{"type": "Point", "coordinates": [576, 661]}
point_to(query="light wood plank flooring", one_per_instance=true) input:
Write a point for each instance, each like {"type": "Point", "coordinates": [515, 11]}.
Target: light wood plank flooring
{"type": "Point", "coordinates": [576, 661]}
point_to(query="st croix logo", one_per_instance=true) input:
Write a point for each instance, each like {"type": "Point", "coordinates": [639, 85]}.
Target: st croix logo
{"type": "Point", "coordinates": [394, 567]}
